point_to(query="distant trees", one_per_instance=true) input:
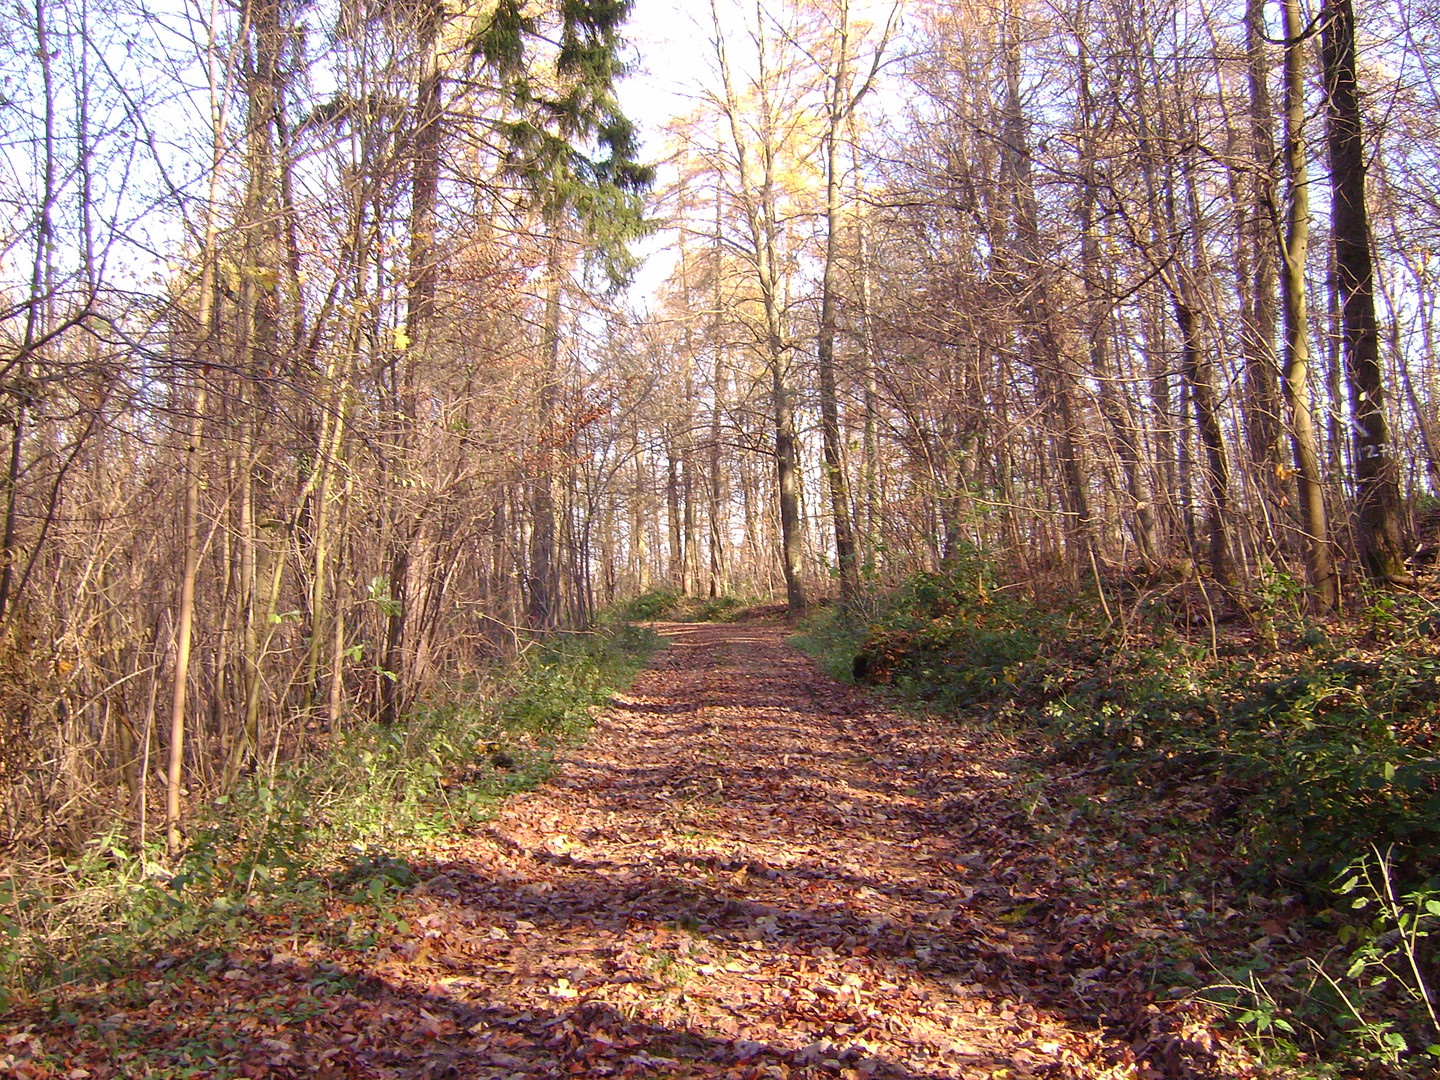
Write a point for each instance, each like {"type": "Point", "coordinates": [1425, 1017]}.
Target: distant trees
{"type": "Point", "coordinates": [1059, 334]}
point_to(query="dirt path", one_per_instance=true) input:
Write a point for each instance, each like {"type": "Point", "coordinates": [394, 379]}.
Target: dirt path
{"type": "Point", "coordinates": [745, 872]}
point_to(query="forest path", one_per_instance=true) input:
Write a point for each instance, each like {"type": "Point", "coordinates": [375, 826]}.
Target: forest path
{"type": "Point", "coordinates": [748, 871]}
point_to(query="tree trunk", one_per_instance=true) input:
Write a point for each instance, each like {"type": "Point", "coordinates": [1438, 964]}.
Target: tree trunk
{"type": "Point", "coordinates": [190, 527]}
{"type": "Point", "coordinates": [787, 468]}
{"type": "Point", "coordinates": [186, 618]}
{"type": "Point", "coordinates": [639, 544]}
{"type": "Point", "coordinates": [676, 571]}
{"type": "Point", "coordinates": [1207, 419]}
{"type": "Point", "coordinates": [421, 279]}
{"type": "Point", "coordinates": [870, 444]}
{"type": "Point", "coordinates": [759, 201]}
{"type": "Point", "coordinates": [1262, 396]}
{"type": "Point", "coordinates": [720, 378]}
{"type": "Point", "coordinates": [1318, 563]}
{"type": "Point", "coordinates": [544, 568]}
{"type": "Point", "coordinates": [718, 493]}
{"type": "Point", "coordinates": [1377, 485]}
{"type": "Point", "coordinates": [838, 105]}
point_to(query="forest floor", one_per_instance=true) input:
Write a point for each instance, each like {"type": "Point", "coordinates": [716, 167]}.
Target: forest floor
{"type": "Point", "coordinates": [747, 870]}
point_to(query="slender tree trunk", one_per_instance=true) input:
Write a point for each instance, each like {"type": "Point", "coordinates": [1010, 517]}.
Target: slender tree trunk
{"type": "Point", "coordinates": [1182, 276]}
{"type": "Point", "coordinates": [544, 566]}
{"type": "Point", "coordinates": [1297, 329]}
{"type": "Point", "coordinates": [242, 740]}
{"type": "Point", "coordinates": [190, 528]}
{"type": "Point", "coordinates": [691, 577]}
{"type": "Point", "coordinates": [1336, 446]}
{"type": "Point", "coordinates": [787, 468]}
{"type": "Point", "coordinates": [870, 444]}
{"type": "Point", "coordinates": [760, 209]}
{"type": "Point", "coordinates": [337, 647]}
{"type": "Point", "coordinates": [329, 456]}
{"type": "Point", "coordinates": [640, 526]}
{"type": "Point", "coordinates": [186, 618]}
{"type": "Point", "coordinates": [838, 105]}
{"type": "Point", "coordinates": [673, 514]}
{"type": "Point", "coordinates": [37, 311]}
{"type": "Point", "coordinates": [1261, 226]}
{"type": "Point", "coordinates": [718, 492]}
{"type": "Point", "coordinates": [720, 376]}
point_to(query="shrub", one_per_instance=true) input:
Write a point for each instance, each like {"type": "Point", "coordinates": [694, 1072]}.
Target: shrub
{"type": "Point", "coordinates": [1321, 751]}
{"type": "Point", "coordinates": [655, 603]}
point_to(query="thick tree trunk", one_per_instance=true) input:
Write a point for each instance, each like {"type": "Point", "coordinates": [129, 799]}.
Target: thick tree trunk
{"type": "Point", "coordinates": [258, 343]}
{"type": "Point", "coordinates": [421, 280]}
{"type": "Point", "coordinates": [1376, 473]}
{"type": "Point", "coordinates": [1207, 419]}
{"type": "Point", "coordinates": [423, 273]}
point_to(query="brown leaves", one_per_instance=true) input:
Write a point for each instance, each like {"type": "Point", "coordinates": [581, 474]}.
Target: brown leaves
{"type": "Point", "coordinates": [744, 874]}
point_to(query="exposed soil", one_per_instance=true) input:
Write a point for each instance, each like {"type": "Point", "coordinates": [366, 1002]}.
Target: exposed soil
{"type": "Point", "coordinates": [748, 871]}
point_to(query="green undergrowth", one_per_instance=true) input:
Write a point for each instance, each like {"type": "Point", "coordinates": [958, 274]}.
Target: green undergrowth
{"type": "Point", "coordinates": [1293, 750]}
{"type": "Point", "coordinates": [341, 820]}
{"type": "Point", "coordinates": [665, 602]}
{"type": "Point", "coordinates": [1323, 746]}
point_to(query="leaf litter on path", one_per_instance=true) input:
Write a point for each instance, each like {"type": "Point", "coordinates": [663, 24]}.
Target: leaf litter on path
{"type": "Point", "coordinates": [748, 870]}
